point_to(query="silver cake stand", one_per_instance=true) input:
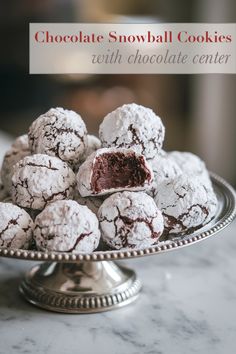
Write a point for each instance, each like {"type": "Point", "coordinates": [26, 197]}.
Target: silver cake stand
{"type": "Point", "coordinates": [86, 283]}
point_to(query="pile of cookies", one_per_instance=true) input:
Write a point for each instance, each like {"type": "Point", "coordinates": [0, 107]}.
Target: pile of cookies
{"type": "Point", "coordinates": [64, 190]}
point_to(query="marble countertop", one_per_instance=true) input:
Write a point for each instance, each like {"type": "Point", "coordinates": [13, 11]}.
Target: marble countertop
{"type": "Point", "coordinates": [188, 305]}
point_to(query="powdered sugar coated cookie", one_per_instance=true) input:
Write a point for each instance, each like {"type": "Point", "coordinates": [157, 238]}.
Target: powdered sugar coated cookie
{"type": "Point", "coordinates": [61, 133]}
{"type": "Point", "coordinates": [40, 179]}
{"type": "Point", "coordinates": [133, 126]}
{"type": "Point", "coordinates": [66, 226]}
{"type": "Point", "coordinates": [186, 203]}
{"type": "Point", "coordinates": [130, 220]}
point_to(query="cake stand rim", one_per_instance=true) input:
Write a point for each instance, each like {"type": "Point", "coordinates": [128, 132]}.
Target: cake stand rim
{"type": "Point", "coordinates": [228, 210]}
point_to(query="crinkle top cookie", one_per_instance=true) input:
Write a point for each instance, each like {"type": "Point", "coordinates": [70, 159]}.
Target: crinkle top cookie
{"type": "Point", "coordinates": [61, 133]}
{"type": "Point", "coordinates": [40, 179]}
{"type": "Point", "coordinates": [16, 227]}
{"type": "Point", "coordinates": [110, 170]}
{"type": "Point", "coordinates": [18, 150]}
{"type": "Point", "coordinates": [133, 126]}
{"type": "Point", "coordinates": [187, 203]}
{"type": "Point", "coordinates": [66, 226]}
{"type": "Point", "coordinates": [130, 220]}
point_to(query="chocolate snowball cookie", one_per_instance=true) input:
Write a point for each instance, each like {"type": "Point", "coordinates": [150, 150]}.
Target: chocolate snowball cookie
{"type": "Point", "coordinates": [66, 226]}
{"type": "Point", "coordinates": [133, 126]}
{"type": "Point", "coordinates": [110, 170]}
{"type": "Point", "coordinates": [164, 169]}
{"type": "Point", "coordinates": [16, 227]}
{"type": "Point", "coordinates": [187, 203]}
{"type": "Point", "coordinates": [61, 133]}
{"type": "Point", "coordinates": [18, 150]}
{"type": "Point", "coordinates": [130, 220]}
{"type": "Point", "coordinates": [40, 179]}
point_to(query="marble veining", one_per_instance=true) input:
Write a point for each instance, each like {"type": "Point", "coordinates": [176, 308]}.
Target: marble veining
{"type": "Point", "coordinates": [188, 305]}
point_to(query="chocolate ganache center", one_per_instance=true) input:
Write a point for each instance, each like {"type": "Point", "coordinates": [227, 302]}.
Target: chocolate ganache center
{"type": "Point", "coordinates": [119, 170]}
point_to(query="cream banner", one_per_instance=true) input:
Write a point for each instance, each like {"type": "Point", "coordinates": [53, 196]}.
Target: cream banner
{"type": "Point", "coordinates": [89, 48]}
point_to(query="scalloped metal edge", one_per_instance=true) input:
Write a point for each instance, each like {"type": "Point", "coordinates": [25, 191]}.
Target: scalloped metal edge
{"type": "Point", "coordinates": [123, 254]}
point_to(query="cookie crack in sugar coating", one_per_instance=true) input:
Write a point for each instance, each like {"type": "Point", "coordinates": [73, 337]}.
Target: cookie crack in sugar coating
{"type": "Point", "coordinates": [80, 238]}
{"type": "Point", "coordinates": [43, 166]}
{"type": "Point", "coordinates": [11, 222]}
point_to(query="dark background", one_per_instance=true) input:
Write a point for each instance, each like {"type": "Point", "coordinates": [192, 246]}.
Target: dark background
{"type": "Point", "coordinates": [197, 110]}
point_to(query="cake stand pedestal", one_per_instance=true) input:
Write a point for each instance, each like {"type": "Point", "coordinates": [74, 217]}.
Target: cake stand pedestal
{"type": "Point", "coordinates": [80, 287]}
{"type": "Point", "coordinates": [95, 282]}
